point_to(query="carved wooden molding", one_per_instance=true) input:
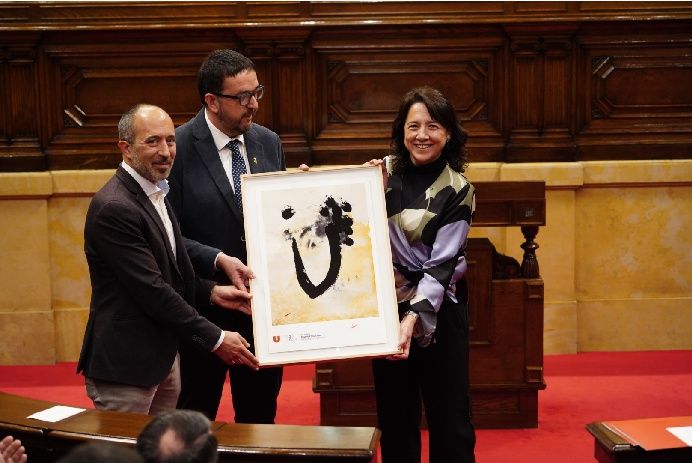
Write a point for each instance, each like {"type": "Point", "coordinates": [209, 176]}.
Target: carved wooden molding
{"type": "Point", "coordinates": [532, 81]}
{"type": "Point", "coordinates": [644, 85]}
{"type": "Point", "coordinates": [366, 89]}
{"type": "Point", "coordinates": [91, 15]}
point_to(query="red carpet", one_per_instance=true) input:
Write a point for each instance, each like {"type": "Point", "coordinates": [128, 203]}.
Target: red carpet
{"type": "Point", "coordinates": [581, 388]}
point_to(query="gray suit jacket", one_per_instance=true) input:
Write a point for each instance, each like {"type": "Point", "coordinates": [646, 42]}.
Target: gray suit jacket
{"type": "Point", "coordinates": [142, 295]}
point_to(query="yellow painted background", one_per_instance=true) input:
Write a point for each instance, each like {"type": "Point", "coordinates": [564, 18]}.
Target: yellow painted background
{"type": "Point", "coordinates": [615, 256]}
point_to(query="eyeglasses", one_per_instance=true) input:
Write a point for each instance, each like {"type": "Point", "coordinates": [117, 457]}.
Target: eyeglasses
{"type": "Point", "coordinates": [245, 97]}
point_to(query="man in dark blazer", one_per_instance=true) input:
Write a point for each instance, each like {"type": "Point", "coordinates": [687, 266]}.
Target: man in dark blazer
{"type": "Point", "coordinates": [143, 284]}
{"type": "Point", "coordinates": [205, 197]}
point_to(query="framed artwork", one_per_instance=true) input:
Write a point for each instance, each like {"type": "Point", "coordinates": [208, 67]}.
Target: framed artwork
{"type": "Point", "coordinates": [318, 244]}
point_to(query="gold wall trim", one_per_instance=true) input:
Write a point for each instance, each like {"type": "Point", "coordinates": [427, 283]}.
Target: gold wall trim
{"type": "Point", "coordinates": [57, 183]}
{"type": "Point", "coordinates": [79, 182]}
{"type": "Point", "coordinates": [22, 185]}
{"type": "Point", "coordinates": [557, 175]}
{"type": "Point", "coordinates": [601, 174]}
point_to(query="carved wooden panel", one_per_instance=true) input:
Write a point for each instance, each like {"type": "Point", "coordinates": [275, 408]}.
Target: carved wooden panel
{"type": "Point", "coordinates": [361, 86]}
{"type": "Point", "coordinates": [95, 82]}
{"type": "Point", "coordinates": [19, 104]}
{"type": "Point", "coordinates": [281, 65]}
{"type": "Point", "coordinates": [363, 93]}
{"type": "Point", "coordinates": [502, 361]}
{"type": "Point", "coordinates": [532, 81]}
{"type": "Point", "coordinates": [640, 86]}
{"type": "Point", "coordinates": [479, 275]}
{"type": "Point", "coordinates": [541, 93]}
{"type": "Point", "coordinates": [637, 93]}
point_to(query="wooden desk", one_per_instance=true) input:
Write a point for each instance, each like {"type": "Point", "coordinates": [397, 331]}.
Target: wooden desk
{"type": "Point", "coordinates": [238, 443]}
{"type": "Point", "coordinates": [610, 447]}
{"type": "Point", "coordinates": [242, 443]}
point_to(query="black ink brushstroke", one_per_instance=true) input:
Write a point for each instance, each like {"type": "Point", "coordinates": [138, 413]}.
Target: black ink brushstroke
{"type": "Point", "coordinates": [338, 228]}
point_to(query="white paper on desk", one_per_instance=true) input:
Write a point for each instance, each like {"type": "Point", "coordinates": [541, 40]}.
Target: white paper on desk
{"type": "Point", "coordinates": [57, 413]}
{"type": "Point", "coordinates": [684, 433]}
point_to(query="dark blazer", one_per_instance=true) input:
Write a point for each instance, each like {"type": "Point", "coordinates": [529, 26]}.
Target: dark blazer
{"type": "Point", "coordinates": [200, 189]}
{"type": "Point", "coordinates": [141, 302]}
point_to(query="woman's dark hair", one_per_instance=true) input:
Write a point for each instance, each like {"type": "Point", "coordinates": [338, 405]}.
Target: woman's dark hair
{"type": "Point", "coordinates": [218, 65]}
{"type": "Point", "coordinates": [442, 111]}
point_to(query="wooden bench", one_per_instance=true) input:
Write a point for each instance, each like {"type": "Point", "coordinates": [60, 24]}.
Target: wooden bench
{"type": "Point", "coordinates": [238, 443]}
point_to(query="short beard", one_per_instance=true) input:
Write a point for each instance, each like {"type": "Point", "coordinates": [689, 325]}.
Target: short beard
{"type": "Point", "coordinates": [147, 172]}
{"type": "Point", "coordinates": [238, 129]}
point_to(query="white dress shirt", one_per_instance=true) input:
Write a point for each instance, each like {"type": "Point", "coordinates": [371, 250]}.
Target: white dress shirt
{"type": "Point", "coordinates": [221, 142]}
{"type": "Point", "coordinates": [156, 193]}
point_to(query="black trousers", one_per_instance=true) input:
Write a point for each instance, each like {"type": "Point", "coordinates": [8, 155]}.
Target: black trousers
{"type": "Point", "coordinates": [439, 375]}
{"type": "Point", "coordinates": [203, 374]}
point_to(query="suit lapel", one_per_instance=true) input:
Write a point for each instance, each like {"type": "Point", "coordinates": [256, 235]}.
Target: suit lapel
{"type": "Point", "coordinates": [206, 150]}
{"type": "Point", "coordinates": [149, 208]}
{"type": "Point", "coordinates": [255, 152]}
{"type": "Point", "coordinates": [177, 236]}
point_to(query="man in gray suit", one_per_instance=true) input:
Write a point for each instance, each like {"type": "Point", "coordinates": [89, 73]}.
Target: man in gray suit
{"type": "Point", "coordinates": [214, 148]}
{"type": "Point", "coordinates": [143, 284]}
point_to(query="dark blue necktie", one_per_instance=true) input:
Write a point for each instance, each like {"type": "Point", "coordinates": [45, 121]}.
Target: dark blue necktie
{"type": "Point", "coordinates": [237, 169]}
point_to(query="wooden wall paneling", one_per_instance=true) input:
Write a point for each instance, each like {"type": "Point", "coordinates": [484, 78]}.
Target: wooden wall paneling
{"type": "Point", "coordinates": [282, 66]}
{"type": "Point", "coordinates": [533, 81]}
{"type": "Point", "coordinates": [262, 55]}
{"type": "Point", "coordinates": [347, 396]}
{"type": "Point", "coordinates": [20, 148]}
{"type": "Point", "coordinates": [541, 91]}
{"type": "Point", "coordinates": [5, 97]}
{"type": "Point", "coordinates": [506, 374]}
{"type": "Point", "coordinates": [534, 302]}
{"type": "Point", "coordinates": [559, 94]}
{"type": "Point", "coordinates": [359, 90]}
{"type": "Point", "coordinates": [214, 14]}
{"type": "Point", "coordinates": [479, 274]}
{"type": "Point", "coordinates": [637, 100]}
{"type": "Point", "coordinates": [4, 94]}
{"type": "Point", "coordinates": [363, 76]}
{"type": "Point", "coordinates": [501, 359]}
{"type": "Point", "coordinates": [101, 75]}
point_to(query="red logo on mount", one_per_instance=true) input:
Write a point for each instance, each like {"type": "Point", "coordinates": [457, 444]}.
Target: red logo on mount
{"type": "Point", "coordinates": [276, 338]}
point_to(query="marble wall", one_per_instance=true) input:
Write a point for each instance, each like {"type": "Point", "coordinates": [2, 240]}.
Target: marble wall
{"type": "Point", "coordinates": [615, 255]}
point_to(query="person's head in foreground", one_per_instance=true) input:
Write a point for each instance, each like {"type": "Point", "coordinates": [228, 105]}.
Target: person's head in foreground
{"type": "Point", "coordinates": [178, 436]}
